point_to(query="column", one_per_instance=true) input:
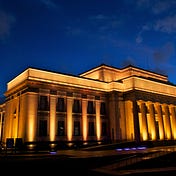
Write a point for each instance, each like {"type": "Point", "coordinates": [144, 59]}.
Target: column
{"type": "Point", "coordinates": [143, 122]}
{"type": "Point", "coordinates": [52, 118]}
{"type": "Point", "coordinates": [32, 104]}
{"type": "Point", "coordinates": [122, 119]}
{"type": "Point", "coordinates": [173, 121]}
{"type": "Point", "coordinates": [136, 121]}
{"type": "Point", "coordinates": [151, 122]}
{"type": "Point", "coordinates": [69, 118]}
{"type": "Point", "coordinates": [113, 109]}
{"type": "Point", "coordinates": [129, 120]}
{"type": "Point", "coordinates": [98, 120]}
{"type": "Point", "coordinates": [84, 119]}
{"type": "Point", "coordinates": [7, 120]}
{"type": "Point", "coordinates": [167, 126]}
{"type": "Point", "coordinates": [15, 118]}
{"type": "Point", "coordinates": [30, 124]}
{"type": "Point", "coordinates": [160, 121]}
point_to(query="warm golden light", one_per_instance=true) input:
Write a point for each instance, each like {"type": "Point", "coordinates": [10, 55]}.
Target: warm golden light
{"type": "Point", "coordinates": [31, 146]}
{"type": "Point", "coordinates": [52, 118]}
{"type": "Point", "coordinates": [31, 114]}
{"type": "Point", "coordinates": [151, 121]}
{"type": "Point", "coordinates": [84, 119]}
{"type": "Point", "coordinates": [143, 121]}
{"type": "Point", "coordinates": [160, 120]}
{"type": "Point", "coordinates": [143, 132]}
{"type": "Point", "coordinates": [69, 118]}
{"type": "Point", "coordinates": [129, 120]}
{"type": "Point", "coordinates": [98, 122]}
{"type": "Point", "coordinates": [173, 121]}
{"type": "Point", "coordinates": [166, 120]}
{"type": "Point", "coordinates": [156, 117]}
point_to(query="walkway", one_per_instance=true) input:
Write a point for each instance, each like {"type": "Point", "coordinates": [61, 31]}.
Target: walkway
{"type": "Point", "coordinates": [116, 168]}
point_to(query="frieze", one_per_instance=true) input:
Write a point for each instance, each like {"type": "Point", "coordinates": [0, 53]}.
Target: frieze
{"type": "Point", "coordinates": [147, 96]}
{"type": "Point", "coordinates": [53, 92]}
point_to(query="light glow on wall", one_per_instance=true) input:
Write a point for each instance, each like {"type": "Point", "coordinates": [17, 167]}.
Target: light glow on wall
{"type": "Point", "coordinates": [98, 121]}
{"type": "Point", "coordinates": [143, 121]}
{"type": "Point", "coordinates": [155, 119]}
{"type": "Point", "coordinates": [151, 122]}
{"type": "Point", "coordinates": [31, 127]}
{"type": "Point", "coordinates": [52, 118]}
{"type": "Point", "coordinates": [84, 118]}
{"type": "Point", "coordinates": [15, 124]}
{"type": "Point", "coordinates": [173, 121]}
{"type": "Point", "coordinates": [166, 120]}
{"type": "Point", "coordinates": [143, 131]}
{"type": "Point", "coordinates": [129, 120]}
{"type": "Point", "coordinates": [160, 120]}
{"type": "Point", "coordinates": [166, 128]}
{"type": "Point", "coordinates": [69, 118]}
{"type": "Point", "coordinates": [32, 114]}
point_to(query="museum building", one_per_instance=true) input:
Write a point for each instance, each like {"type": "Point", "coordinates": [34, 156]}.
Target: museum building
{"type": "Point", "coordinates": [103, 104]}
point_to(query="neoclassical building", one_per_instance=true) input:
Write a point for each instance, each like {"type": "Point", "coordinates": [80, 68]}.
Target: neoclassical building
{"type": "Point", "coordinates": [102, 104]}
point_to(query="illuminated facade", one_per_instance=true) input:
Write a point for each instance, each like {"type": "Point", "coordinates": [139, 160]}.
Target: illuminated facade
{"type": "Point", "coordinates": [102, 104]}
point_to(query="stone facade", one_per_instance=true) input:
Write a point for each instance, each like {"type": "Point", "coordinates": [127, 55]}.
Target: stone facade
{"type": "Point", "coordinates": [104, 104]}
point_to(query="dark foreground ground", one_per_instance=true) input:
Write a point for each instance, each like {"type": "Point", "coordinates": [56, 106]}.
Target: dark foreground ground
{"type": "Point", "coordinates": [66, 164]}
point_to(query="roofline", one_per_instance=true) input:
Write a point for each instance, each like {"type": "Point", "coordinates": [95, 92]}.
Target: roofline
{"type": "Point", "coordinates": [125, 67]}
{"type": "Point", "coordinates": [128, 66]}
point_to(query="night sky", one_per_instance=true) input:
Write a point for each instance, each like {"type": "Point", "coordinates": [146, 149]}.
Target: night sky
{"type": "Point", "coordinates": [73, 36]}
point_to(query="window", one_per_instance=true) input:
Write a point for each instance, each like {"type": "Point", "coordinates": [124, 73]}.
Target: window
{"type": "Point", "coordinates": [43, 103]}
{"type": "Point", "coordinates": [103, 108]}
{"type": "Point", "coordinates": [104, 129]}
{"type": "Point", "coordinates": [76, 128]}
{"type": "Point", "coordinates": [43, 128]}
{"type": "Point", "coordinates": [61, 128]}
{"type": "Point", "coordinates": [76, 106]}
{"type": "Point", "coordinates": [90, 107]}
{"type": "Point", "coordinates": [91, 131]}
{"type": "Point", "coordinates": [60, 105]}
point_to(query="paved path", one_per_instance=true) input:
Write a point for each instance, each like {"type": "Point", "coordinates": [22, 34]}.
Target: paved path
{"type": "Point", "coordinates": [107, 168]}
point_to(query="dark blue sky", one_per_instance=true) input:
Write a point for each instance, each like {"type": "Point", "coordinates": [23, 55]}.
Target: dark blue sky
{"type": "Point", "coordinates": [72, 36]}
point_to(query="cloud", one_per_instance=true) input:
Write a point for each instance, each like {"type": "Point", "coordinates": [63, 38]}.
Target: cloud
{"type": "Point", "coordinates": [167, 24]}
{"type": "Point", "coordinates": [105, 23]}
{"type": "Point", "coordinates": [155, 6]}
{"type": "Point", "coordinates": [160, 70]}
{"type": "Point", "coordinates": [162, 57]}
{"type": "Point", "coordinates": [164, 53]}
{"type": "Point", "coordinates": [74, 31]}
{"type": "Point", "coordinates": [142, 3]}
{"type": "Point", "coordinates": [162, 13]}
{"type": "Point", "coordinates": [162, 6]}
{"type": "Point", "coordinates": [128, 61]}
{"type": "Point", "coordinates": [139, 38]}
{"type": "Point", "coordinates": [6, 23]}
{"type": "Point", "coordinates": [165, 69]}
{"type": "Point", "coordinates": [98, 17]}
{"type": "Point", "coordinates": [49, 3]}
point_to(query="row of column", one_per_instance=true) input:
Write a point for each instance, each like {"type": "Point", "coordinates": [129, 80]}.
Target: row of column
{"type": "Point", "coordinates": [156, 121]}
{"type": "Point", "coordinates": [69, 122]}
{"type": "Point", "coordinates": [24, 123]}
